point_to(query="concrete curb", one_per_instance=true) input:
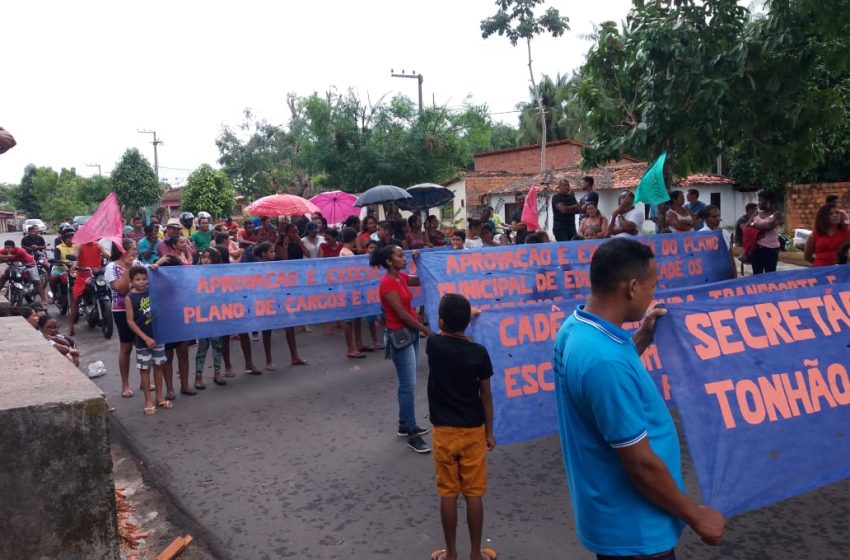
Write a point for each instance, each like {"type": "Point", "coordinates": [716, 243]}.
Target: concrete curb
{"type": "Point", "coordinates": [154, 477]}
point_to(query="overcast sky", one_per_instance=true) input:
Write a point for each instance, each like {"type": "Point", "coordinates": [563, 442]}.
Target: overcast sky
{"type": "Point", "coordinates": [77, 79]}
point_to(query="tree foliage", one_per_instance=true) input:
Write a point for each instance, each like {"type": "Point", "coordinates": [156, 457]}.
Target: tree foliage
{"type": "Point", "coordinates": [208, 190]}
{"type": "Point", "coordinates": [515, 19]}
{"type": "Point", "coordinates": [340, 141]}
{"type": "Point", "coordinates": [26, 199]}
{"type": "Point", "coordinates": [135, 182]}
{"type": "Point", "coordinates": [564, 117]}
{"type": "Point", "coordinates": [703, 78]}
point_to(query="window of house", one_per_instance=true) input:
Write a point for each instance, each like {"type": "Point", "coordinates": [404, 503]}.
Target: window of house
{"type": "Point", "coordinates": [715, 199]}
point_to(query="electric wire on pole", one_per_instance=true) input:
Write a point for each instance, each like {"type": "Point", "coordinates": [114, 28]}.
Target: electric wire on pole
{"type": "Point", "coordinates": [155, 143]}
{"type": "Point", "coordinates": [414, 75]}
{"type": "Point", "coordinates": [95, 165]}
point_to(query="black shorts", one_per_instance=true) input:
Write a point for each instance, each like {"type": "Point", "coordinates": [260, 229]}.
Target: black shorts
{"type": "Point", "coordinates": [124, 333]}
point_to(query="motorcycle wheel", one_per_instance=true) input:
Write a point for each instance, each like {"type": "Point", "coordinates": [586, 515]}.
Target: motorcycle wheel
{"type": "Point", "coordinates": [92, 315]}
{"type": "Point", "coordinates": [106, 323]}
{"type": "Point", "coordinates": [16, 298]}
{"type": "Point", "coordinates": [62, 301]}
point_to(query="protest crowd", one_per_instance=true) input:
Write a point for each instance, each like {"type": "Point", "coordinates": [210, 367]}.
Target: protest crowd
{"type": "Point", "coordinates": [461, 408]}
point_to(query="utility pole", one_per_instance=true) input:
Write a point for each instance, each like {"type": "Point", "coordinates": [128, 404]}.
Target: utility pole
{"type": "Point", "coordinates": [155, 154]}
{"type": "Point", "coordinates": [95, 165]}
{"type": "Point", "coordinates": [413, 75]}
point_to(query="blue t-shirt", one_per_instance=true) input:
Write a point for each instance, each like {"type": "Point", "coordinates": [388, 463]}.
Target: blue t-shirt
{"type": "Point", "coordinates": [143, 246]}
{"type": "Point", "coordinates": [606, 400]}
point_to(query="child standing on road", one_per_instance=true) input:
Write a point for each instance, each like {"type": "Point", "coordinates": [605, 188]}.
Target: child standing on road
{"type": "Point", "coordinates": [148, 352]}
{"type": "Point", "coordinates": [461, 408]}
{"type": "Point", "coordinates": [209, 256]}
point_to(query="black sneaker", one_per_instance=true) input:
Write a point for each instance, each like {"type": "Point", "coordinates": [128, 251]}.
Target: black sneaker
{"type": "Point", "coordinates": [418, 444]}
{"type": "Point", "coordinates": [417, 431]}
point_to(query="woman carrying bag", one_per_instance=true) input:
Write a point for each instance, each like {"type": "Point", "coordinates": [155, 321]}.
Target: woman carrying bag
{"type": "Point", "coordinates": [403, 328]}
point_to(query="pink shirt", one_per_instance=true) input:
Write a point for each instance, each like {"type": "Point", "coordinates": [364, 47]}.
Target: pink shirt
{"type": "Point", "coordinates": [770, 239]}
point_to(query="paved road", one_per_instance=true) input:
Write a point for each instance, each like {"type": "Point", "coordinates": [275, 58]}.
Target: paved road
{"type": "Point", "coordinates": [304, 463]}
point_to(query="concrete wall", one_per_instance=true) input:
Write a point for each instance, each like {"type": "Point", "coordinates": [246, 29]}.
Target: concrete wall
{"type": "Point", "coordinates": [803, 201]}
{"type": "Point", "coordinates": [56, 488]}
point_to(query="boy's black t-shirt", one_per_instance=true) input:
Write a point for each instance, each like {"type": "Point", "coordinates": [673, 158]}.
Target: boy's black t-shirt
{"type": "Point", "coordinates": [141, 302]}
{"type": "Point", "coordinates": [456, 368]}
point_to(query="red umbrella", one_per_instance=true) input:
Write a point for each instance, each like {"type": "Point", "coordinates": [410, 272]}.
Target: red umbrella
{"type": "Point", "coordinates": [281, 205]}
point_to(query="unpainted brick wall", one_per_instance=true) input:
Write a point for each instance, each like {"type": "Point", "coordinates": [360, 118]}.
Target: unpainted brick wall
{"type": "Point", "coordinates": [559, 156]}
{"type": "Point", "coordinates": [803, 201]}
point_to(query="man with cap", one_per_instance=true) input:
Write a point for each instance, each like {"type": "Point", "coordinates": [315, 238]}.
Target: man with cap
{"type": "Point", "coordinates": [172, 227]}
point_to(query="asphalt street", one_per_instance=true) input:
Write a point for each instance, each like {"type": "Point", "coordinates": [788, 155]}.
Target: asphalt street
{"type": "Point", "coordinates": [304, 462]}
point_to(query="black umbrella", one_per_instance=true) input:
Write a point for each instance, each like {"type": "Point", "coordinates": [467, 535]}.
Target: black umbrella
{"type": "Point", "coordinates": [381, 194]}
{"type": "Point", "coordinates": [425, 196]}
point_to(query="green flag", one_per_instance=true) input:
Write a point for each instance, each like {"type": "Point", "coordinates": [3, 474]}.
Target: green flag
{"type": "Point", "coordinates": [652, 189]}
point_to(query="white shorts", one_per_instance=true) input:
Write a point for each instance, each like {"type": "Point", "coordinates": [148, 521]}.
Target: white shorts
{"type": "Point", "coordinates": [146, 356]}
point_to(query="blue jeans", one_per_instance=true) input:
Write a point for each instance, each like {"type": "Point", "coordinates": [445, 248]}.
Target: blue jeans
{"type": "Point", "coordinates": [405, 361]}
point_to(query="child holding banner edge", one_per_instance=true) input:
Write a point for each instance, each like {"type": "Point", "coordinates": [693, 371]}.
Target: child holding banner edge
{"type": "Point", "coordinates": [461, 408]}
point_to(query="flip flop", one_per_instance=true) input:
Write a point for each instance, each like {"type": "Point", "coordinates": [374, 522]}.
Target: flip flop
{"type": "Point", "coordinates": [300, 362]}
{"type": "Point", "coordinates": [439, 554]}
{"type": "Point", "coordinates": [150, 410]}
{"type": "Point", "coordinates": [200, 386]}
{"type": "Point", "coordinates": [271, 367]}
{"type": "Point", "coordinates": [366, 349]}
{"type": "Point", "coordinates": [188, 392]}
{"type": "Point", "coordinates": [488, 554]}
{"type": "Point", "coordinates": [229, 374]}
{"type": "Point", "coordinates": [217, 382]}
{"type": "Point", "coordinates": [357, 355]}
{"type": "Point", "coordinates": [165, 404]}
{"type": "Point", "coordinates": [254, 372]}
{"type": "Point", "coordinates": [127, 393]}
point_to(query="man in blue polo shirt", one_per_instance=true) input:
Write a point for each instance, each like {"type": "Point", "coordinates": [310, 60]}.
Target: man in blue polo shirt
{"type": "Point", "coordinates": [620, 446]}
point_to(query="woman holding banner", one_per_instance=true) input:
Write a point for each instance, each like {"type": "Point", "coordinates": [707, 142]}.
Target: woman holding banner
{"type": "Point", "coordinates": [403, 328]}
{"type": "Point", "coordinates": [828, 235]}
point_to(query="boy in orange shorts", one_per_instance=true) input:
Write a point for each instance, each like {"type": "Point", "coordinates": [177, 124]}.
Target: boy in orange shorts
{"type": "Point", "coordinates": [461, 408]}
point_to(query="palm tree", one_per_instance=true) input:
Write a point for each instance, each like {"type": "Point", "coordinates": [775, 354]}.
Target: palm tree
{"type": "Point", "coordinates": [564, 118]}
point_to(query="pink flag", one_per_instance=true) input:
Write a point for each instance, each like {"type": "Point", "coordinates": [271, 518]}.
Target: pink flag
{"type": "Point", "coordinates": [529, 210]}
{"type": "Point", "coordinates": [105, 223]}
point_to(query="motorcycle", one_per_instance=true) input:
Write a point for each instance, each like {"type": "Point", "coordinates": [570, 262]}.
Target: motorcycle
{"type": "Point", "coordinates": [63, 290]}
{"type": "Point", "coordinates": [95, 305]}
{"type": "Point", "coordinates": [19, 289]}
{"type": "Point", "coordinates": [43, 266]}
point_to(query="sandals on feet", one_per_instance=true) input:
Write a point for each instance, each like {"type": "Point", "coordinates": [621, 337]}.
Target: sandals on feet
{"type": "Point", "coordinates": [438, 554]}
{"type": "Point", "coordinates": [150, 410]}
{"type": "Point", "coordinates": [356, 355]}
{"type": "Point", "coordinates": [165, 404]}
{"type": "Point", "coordinates": [300, 362]}
{"type": "Point", "coordinates": [127, 393]}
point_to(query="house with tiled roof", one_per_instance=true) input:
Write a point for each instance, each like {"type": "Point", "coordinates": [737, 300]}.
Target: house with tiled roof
{"type": "Point", "coordinates": [564, 157]}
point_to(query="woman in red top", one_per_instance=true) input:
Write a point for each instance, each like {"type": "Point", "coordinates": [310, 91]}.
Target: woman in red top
{"type": "Point", "coordinates": [331, 247]}
{"type": "Point", "coordinates": [396, 302]}
{"type": "Point", "coordinates": [370, 226]}
{"type": "Point", "coordinates": [828, 236]}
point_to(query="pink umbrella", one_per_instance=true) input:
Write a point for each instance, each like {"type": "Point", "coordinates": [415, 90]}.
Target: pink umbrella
{"type": "Point", "coordinates": [281, 205]}
{"type": "Point", "coordinates": [336, 206]}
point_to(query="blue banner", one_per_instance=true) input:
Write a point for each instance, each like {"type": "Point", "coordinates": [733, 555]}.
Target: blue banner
{"type": "Point", "coordinates": [190, 302]}
{"type": "Point", "coordinates": [763, 391]}
{"type": "Point", "coordinates": [555, 272]}
{"type": "Point", "coordinates": [521, 341]}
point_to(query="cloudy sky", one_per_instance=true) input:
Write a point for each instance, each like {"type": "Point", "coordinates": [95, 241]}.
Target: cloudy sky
{"type": "Point", "coordinates": [77, 79]}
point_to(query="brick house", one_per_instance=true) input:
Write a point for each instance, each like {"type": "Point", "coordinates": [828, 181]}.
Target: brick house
{"type": "Point", "coordinates": [564, 156]}
{"type": "Point", "coordinates": [803, 201]}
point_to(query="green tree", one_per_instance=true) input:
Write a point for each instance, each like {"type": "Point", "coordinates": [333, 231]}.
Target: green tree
{"type": "Point", "coordinates": [9, 195]}
{"type": "Point", "coordinates": [93, 190]}
{"type": "Point", "coordinates": [135, 182]}
{"type": "Point", "coordinates": [57, 194]}
{"type": "Point", "coordinates": [26, 200]}
{"type": "Point", "coordinates": [516, 20]}
{"type": "Point", "coordinates": [564, 117]}
{"type": "Point", "coordinates": [669, 80]}
{"type": "Point", "coordinates": [208, 190]}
